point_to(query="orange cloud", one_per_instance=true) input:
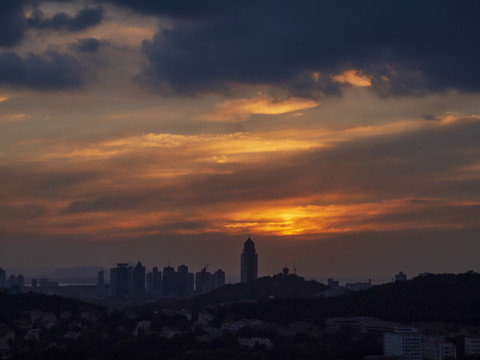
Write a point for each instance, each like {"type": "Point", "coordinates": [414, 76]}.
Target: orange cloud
{"type": "Point", "coordinates": [242, 109]}
{"type": "Point", "coordinates": [317, 220]}
{"type": "Point", "coordinates": [354, 78]}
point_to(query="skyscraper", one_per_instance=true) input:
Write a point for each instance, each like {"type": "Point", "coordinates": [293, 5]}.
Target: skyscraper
{"type": "Point", "coordinates": [169, 281]}
{"type": "Point", "coordinates": [121, 280]}
{"type": "Point", "coordinates": [157, 282]}
{"type": "Point", "coordinates": [203, 281]}
{"type": "Point", "coordinates": [184, 281]}
{"type": "Point", "coordinates": [139, 281]}
{"type": "Point", "coordinates": [249, 262]}
{"type": "Point", "coordinates": [218, 279]}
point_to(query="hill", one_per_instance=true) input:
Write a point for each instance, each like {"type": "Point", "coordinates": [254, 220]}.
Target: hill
{"type": "Point", "coordinates": [445, 298]}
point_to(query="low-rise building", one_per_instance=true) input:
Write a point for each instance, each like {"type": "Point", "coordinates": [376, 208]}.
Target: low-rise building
{"type": "Point", "coordinates": [404, 342]}
{"type": "Point", "coordinates": [472, 345]}
{"type": "Point", "coordinates": [438, 351]}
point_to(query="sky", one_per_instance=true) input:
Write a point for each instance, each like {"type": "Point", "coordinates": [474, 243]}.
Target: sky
{"type": "Point", "coordinates": [343, 137]}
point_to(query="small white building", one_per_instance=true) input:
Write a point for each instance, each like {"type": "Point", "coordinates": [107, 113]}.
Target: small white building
{"type": "Point", "coordinates": [404, 342]}
{"type": "Point", "coordinates": [472, 345]}
{"type": "Point", "coordinates": [438, 351]}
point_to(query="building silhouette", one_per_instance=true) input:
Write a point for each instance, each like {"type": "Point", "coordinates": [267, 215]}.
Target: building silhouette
{"type": "Point", "coordinates": [218, 279]}
{"type": "Point", "coordinates": [184, 281]}
{"type": "Point", "coordinates": [156, 282]}
{"type": "Point", "coordinates": [169, 282]}
{"type": "Point", "coordinates": [139, 281]}
{"type": "Point", "coordinates": [149, 283]}
{"type": "Point", "coordinates": [249, 262]}
{"type": "Point", "coordinates": [203, 281]}
{"type": "Point", "coordinates": [121, 280]}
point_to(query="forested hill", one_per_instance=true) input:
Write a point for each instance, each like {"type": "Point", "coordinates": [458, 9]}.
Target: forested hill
{"type": "Point", "coordinates": [445, 298]}
{"type": "Point", "coordinates": [278, 286]}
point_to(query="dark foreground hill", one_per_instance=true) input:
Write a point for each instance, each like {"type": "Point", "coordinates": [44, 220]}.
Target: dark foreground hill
{"type": "Point", "coordinates": [265, 288]}
{"type": "Point", "coordinates": [445, 298]}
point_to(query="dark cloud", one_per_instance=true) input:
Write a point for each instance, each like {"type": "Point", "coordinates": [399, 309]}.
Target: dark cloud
{"type": "Point", "coordinates": [407, 48]}
{"type": "Point", "coordinates": [89, 45]}
{"type": "Point", "coordinates": [430, 117]}
{"type": "Point", "coordinates": [25, 212]}
{"type": "Point", "coordinates": [179, 8]}
{"type": "Point", "coordinates": [49, 71]}
{"type": "Point", "coordinates": [84, 19]}
{"type": "Point", "coordinates": [12, 22]}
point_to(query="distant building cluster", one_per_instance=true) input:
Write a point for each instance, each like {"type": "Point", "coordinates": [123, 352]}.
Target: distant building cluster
{"type": "Point", "coordinates": [12, 282]}
{"type": "Point", "coordinates": [135, 282]}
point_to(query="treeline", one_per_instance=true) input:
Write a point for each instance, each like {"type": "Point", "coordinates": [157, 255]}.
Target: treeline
{"type": "Point", "coordinates": [445, 298]}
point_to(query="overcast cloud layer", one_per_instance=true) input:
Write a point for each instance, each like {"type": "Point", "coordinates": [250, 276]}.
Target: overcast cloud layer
{"type": "Point", "coordinates": [332, 132]}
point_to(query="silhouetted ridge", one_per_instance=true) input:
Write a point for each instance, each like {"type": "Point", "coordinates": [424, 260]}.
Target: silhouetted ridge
{"type": "Point", "coordinates": [278, 286]}
{"type": "Point", "coordinates": [446, 298]}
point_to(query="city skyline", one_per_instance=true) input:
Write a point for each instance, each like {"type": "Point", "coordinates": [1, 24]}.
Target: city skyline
{"type": "Point", "coordinates": [342, 136]}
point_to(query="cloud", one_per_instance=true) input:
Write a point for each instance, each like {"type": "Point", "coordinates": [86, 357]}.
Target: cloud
{"type": "Point", "coordinates": [48, 71]}
{"type": "Point", "coordinates": [23, 212]}
{"type": "Point", "coordinates": [180, 9]}
{"type": "Point", "coordinates": [88, 45]}
{"type": "Point", "coordinates": [83, 20]}
{"type": "Point", "coordinates": [278, 44]}
{"type": "Point", "coordinates": [307, 184]}
{"type": "Point", "coordinates": [352, 77]}
{"type": "Point", "coordinates": [241, 109]}
{"type": "Point", "coordinates": [12, 22]}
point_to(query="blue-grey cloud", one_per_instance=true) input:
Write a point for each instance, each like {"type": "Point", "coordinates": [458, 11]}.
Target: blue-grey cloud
{"type": "Point", "coordinates": [88, 45]}
{"type": "Point", "coordinates": [406, 48]}
{"type": "Point", "coordinates": [84, 19]}
{"type": "Point", "coordinates": [49, 71]}
{"type": "Point", "coordinates": [12, 22]}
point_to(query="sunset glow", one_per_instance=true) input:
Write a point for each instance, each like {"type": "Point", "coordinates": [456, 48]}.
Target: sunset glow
{"type": "Point", "coordinates": [154, 130]}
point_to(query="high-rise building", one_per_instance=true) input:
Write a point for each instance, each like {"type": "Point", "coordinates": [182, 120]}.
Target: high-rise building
{"type": "Point", "coordinates": [149, 283]}
{"type": "Point", "coordinates": [121, 280]}
{"type": "Point", "coordinates": [203, 281]}
{"type": "Point", "coordinates": [249, 262]}
{"type": "Point", "coordinates": [157, 282]}
{"type": "Point", "coordinates": [403, 342]}
{"type": "Point", "coordinates": [20, 281]}
{"type": "Point", "coordinates": [130, 280]}
{"type": "Point", "coordinates": [184, 281]}
{"type": "Point", "coordinates": [218, 279]}
{"type": "Point", "coordinates": [12, 281]}
{"type": "Point", "coordinates": [169, 282]}
{"type": "Point", "coordinates": [139, 281]}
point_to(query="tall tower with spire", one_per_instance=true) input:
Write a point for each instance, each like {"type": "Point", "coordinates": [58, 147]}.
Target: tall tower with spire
{"type": "Point", "coordinates": [249, 262]}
